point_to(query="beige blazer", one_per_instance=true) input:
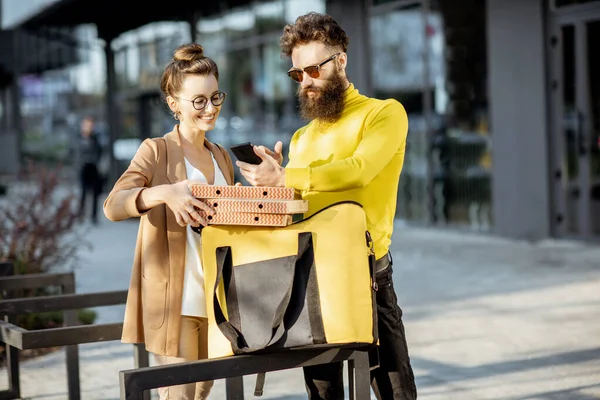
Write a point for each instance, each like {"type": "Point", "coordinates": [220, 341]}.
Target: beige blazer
{"type": "Point", "coordinates": [153, 309]}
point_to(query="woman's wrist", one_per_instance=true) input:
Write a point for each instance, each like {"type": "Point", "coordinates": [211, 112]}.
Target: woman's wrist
{"type": "Point", "coordinates": [151, 197]}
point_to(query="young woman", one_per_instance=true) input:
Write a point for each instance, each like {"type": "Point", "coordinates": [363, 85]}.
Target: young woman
{"type": "Point", "coordinates": [165, 305]}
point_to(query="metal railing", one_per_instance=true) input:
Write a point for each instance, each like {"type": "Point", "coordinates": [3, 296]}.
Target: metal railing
{"type": "Point", "coordinates": [9, 284]}
{"type": "Point", "coordinates": [135, 383]}
{"type": "Point", "coordinates": [17, 338]}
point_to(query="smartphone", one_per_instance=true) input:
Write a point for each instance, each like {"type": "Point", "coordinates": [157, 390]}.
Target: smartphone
{"type": "Point", "coordinates": [245, 153]}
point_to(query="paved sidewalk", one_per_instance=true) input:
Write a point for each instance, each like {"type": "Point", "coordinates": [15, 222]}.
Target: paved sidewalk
{"type": "Point", "coordinates": [486, 318]}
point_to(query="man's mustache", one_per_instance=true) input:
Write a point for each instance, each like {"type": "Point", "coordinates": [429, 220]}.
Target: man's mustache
{"type": "Point", "coordinates": [310, 89]}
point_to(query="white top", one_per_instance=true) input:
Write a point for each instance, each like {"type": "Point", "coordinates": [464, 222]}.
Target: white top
{"type": "Point", "coordinates": [194, 299]}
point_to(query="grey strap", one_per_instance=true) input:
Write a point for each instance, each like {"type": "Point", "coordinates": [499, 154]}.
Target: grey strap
{"type": "Point", "coordinates": [260, 384]}
{"type": "Point", "coordinates": [235, 337]}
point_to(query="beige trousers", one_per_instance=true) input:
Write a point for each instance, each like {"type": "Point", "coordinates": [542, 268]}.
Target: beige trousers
{"type": "Point", "coordinates": [193, 345]}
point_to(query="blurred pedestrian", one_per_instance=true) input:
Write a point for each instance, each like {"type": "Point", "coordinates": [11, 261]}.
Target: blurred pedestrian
{"type": "Point", "coordinates": [89, 153]}
{"type": "Point", "coordinates": [351, 150]}
{"type": "Point", "coordinates": [166, 307]}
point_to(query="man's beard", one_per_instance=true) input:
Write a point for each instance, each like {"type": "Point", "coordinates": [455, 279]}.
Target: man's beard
{"type": "Point", "coordinates": [328, 105]}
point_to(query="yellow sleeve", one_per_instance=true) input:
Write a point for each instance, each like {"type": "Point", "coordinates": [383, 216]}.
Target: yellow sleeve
{"type": "Point", "coordinates": [384, 134]}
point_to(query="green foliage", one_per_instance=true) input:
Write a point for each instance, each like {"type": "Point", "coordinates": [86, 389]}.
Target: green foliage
{"type": "Point", "coordinates": [86, 316]}
{"type": "Point", "coordinates": [53, 319]}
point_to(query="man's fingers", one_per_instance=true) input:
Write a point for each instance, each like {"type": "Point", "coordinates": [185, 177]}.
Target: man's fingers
{"type": "Point", "coordinates": [267, 150]}
{"type": "Point", "coordinates": [242, 165]}
{"type": "Point", "coordinates": [246, 169]}
{"type": "Point", "coordinates": [238, 184]}
{"type": "Point", "coordinates": [278, 147]}
{"type": "Point", "coordinates": [260, 151]}
{"type": "Point", "coordinates": [278, 152]}
{"type": "Point", "coordinates": [264, 156]}
{"type": "Point", "coordinates": [251, 179]}
{"type": "Point", "coordinates": [248, 175]}
{"type": "Point", "coordinates": [263, 148]}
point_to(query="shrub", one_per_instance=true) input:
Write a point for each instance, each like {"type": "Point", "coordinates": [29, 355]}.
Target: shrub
{"type": "Point", "coordinates": [38, 224]}
{"type": "Point", "coordinates": [39, 233]}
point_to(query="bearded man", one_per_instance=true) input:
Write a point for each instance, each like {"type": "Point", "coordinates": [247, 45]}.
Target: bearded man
{"type": "Point", "coordinates": [351, 150]}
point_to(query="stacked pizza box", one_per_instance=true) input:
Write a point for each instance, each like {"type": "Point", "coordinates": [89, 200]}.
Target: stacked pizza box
{"type": "Point", "coordinates": [250, 205]}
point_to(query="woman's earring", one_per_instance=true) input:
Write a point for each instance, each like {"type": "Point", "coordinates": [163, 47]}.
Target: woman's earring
{"type": "Point", "coordinates": [176, 115]}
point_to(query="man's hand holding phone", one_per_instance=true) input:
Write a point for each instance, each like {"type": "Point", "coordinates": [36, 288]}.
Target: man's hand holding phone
{"type": "Point", "coordinates": [261, 167]}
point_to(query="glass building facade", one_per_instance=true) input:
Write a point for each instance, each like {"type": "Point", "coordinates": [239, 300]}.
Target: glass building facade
{"type": "Point", "coordinates": [437, 74]}
{"type": "Point", "coordinates": [455, 65]}
{"type": "Point", "coordinates": [446, 178]}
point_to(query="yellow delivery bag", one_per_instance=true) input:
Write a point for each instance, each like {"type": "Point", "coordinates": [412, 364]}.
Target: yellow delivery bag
{"type": "Point", "coordinates": [307, 284]}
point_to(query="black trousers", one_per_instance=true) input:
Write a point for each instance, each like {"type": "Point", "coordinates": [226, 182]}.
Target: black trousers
{"type": "Point", "coordinates": [394, 378]}
{"type": "Point", "coordinates": [90, 182]}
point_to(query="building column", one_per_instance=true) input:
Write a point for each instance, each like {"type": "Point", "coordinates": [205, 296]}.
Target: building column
{"type": "Point", "coordinates": [9, 149]}
{"type": "Point", "coordinates": [518, 109]}
{"type": "Point", "coordinates": [353, 17]}
{"type": "Point", "coordinates": [112, 116]}
{"type": "Point", "coordinates": [193, 21]}
{"type": "Point", "coordinates": [14, 111]}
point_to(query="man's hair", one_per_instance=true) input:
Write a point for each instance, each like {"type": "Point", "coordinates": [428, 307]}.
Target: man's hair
{"type": "Point", "coordinates": [313, 27]}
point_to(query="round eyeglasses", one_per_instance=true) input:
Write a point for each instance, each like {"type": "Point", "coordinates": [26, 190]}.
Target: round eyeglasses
{"type": "Point", "coordinates": [200, 102]}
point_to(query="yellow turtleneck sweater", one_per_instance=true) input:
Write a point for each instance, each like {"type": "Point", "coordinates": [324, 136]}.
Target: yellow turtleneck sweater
{"type": "Point", "coordinates": [358, 158]}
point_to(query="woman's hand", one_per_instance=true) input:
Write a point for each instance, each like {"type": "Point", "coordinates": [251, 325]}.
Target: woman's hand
{"type": "Point", "coordinates": [179, 199]}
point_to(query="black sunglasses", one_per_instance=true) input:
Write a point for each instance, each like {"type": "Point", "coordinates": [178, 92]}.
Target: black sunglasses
{"type": "Point", "coordinates": [200, 102]}
{"type": "Point", "coordinates": [312, 70]}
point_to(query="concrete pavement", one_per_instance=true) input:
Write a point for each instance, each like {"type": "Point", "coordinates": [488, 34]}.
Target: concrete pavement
{"type": "Point", "coordinates": [486, 318]}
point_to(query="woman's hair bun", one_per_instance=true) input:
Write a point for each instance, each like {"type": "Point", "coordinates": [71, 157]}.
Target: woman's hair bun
{"type": "Point", "coordinates": [189, 52]}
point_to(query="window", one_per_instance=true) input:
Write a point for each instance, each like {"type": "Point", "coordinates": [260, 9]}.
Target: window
{"type": "Point", "coordinates": [436, 67]}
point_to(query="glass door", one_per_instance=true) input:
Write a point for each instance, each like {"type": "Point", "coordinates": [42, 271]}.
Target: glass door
{"type": "Point", "coordinates": [593, 158]}
{"type": "Point", "coordinates": [575, 84]}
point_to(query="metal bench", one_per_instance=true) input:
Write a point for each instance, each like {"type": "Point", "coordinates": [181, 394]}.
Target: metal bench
{"type": "Point", "coordinates": [17, 338]}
